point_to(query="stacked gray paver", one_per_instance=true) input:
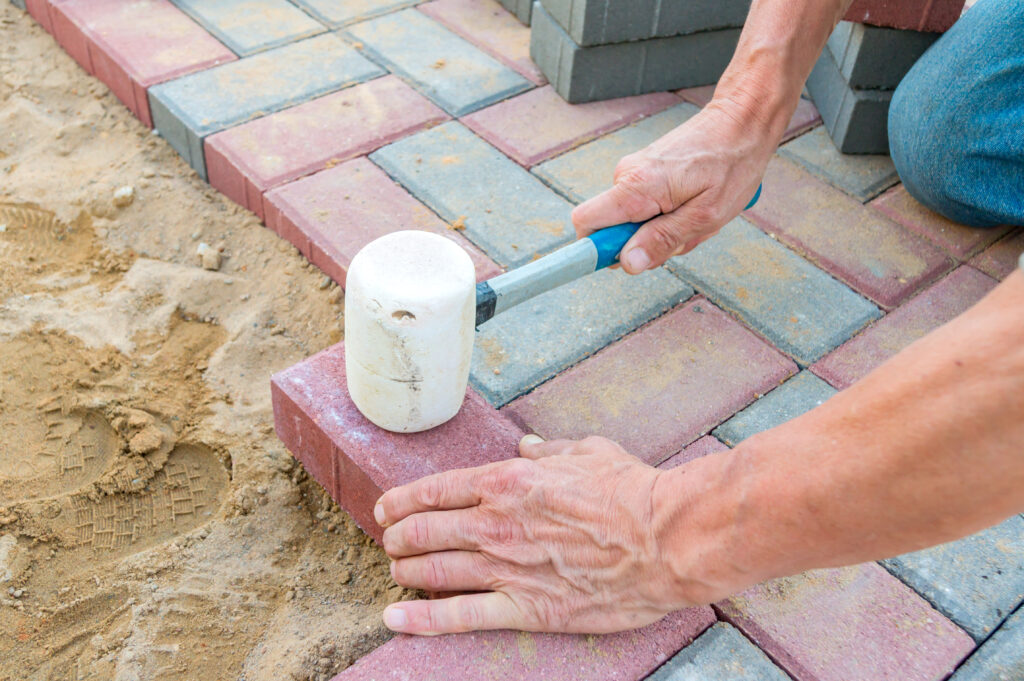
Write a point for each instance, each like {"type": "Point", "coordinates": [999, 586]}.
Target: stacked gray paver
{"type": "Point", "coordinates": [521, 8]}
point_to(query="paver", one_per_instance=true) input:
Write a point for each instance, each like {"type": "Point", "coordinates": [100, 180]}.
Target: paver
{"type": "Point", "coordinates": [354, 460]}
{"type": "Point", "coordinates": [453, 73]}
{"type": "Point", "coordinates": [334, 14]}
{"type": "Point", "coordinates": [331, 215]}
{"type": "Point", "coordinates": [802, 310]}
{"type": "Point", "coordinates": [601, 22]}
{"type": "Point", "coordinates": [491, 28]}
{"type": "Point", "coordinates": [245, 161]}
{"type": "Point", "coordinates": [581, 173]}
{"type": "Point", "coordinates": [586, 74]}
{"type": "Point", "coordinates": [805, 116]}
{"type": "Point", "coordinates": [665, 385]}
{"type": "Point", "coordinates": [522, 656]}
{"type": "Point", "coordinates": [503, 209]}
{"type": "Point", "coordinates": [20, 4]}
{"type": "Point", "coordinates": [512, 126]}
{"type": "Point", "coordinates": [720, 653]}
{"type": "Point", "coordinates": [530, 343]}
{"type": "Point", "coordinates": [872, 58]}
{"type": "Point", "coordinates": [133, 46]}
{"type": "Point", "coordinates": [703, 446]}
{"type": "Point", "coordinates": [976, 581]}
{"type": "Point", "coordinates": [1000, 259]}
{"type": "Point", "coordinates": [250, 26]}
{"type": "Point", "coordinates": [934, 307]}
{"type": "Point", "coordinates": [521, 9]}
{"type": "Point", "coordinates": [961, 241]}
{"type": "Point", "coordinates": [914, 15]}
{"type": "Point", "coordinates": [798, 395]}
{"type": "Point", "coordinates": [862, 176]}
{"type": "Point", "coordinates": [188, 109]}
{"type": "Point", "coordinates": [70, 37]}
{"type": "Point", "coordinates": [856, 622]}
{"type": "Point", "coordinates": [857, 120]}
{"type": "Point", "coordinates": [874, 255]}
{"type": "Point", "coordinates": [1001, 658]}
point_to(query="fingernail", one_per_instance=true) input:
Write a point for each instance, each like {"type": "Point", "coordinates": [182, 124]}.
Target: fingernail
{"type": "Point", "coordinates": [636, 260]}
{"type": "Point", "coordinates": [378, 513]}
{"type": "Point", "coordinates": [531, 439]}
{"type": "Point", "coordinates": [391, 568]}
{"type": "Point", "coordinates": [395, 619]}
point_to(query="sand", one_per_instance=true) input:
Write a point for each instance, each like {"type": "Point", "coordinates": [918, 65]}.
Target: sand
{"type": "Point", "coordinates": [151, 524]}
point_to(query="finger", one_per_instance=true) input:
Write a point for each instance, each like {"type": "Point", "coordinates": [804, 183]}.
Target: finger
{"type": "Point", "coordinates": [624, 202]}
{"type": "Point", "coordinates": [434, 531]}
{"type": "Point", "coordinates": [665, 236]}
{"type": "Point", "coordinates": [445, 571]}
{"type": "Point", "coordinates": [473, 612]}
{"type": "Point", "coordinates": [530, 448]}
{"type": "Point", "coordinates": [448, 490]}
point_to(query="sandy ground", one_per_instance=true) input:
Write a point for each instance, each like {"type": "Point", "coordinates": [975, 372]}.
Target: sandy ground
{"type": "Point", "coordinates": [151, 524]}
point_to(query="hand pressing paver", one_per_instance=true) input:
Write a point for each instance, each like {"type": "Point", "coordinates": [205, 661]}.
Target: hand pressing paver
{"type": "Point", "coordinates": [135, 45]}
{"type": "Point", "coordinates": [802, 310]}
{"type": "Point", "coordinates": [798, 395]}
{"type": "Point", "coordinates": [668, 383]}
{"type": "Point", "coordinates": [695, 450]}
{"type": "Point", "coordinates": [874, 255]}
{"type": "Point", "coordinates": [334, 14]}
{"type": "Point", "coordinates": [188, 109]}
{"type": "Point", "coordinates": [250, 26]}
{"type": "Point", "coordinates": [1001, 658]}
{"type": "Point", "coordinates": [721, 653]}
{"type": "Point", "coordinates": [245, 161]}
{"type": "Point", "coordinates": [589, 170]}
{"type": "Point", "coordinates": [530, 343]}
{"type": "Point", "coordinates": [331, 215]}
{"type": "Point", "coordinates": [938, 304]}
{"type": "Point", "coordinates": [855, 622]}
{"type": "Point", "coordinates": [523, 656]}
{"type": "Point", "coordinates": [862, 176]}
{"type": "Point", "coordinates": [354, 460]}
{"type": "Point", "coordinates": [455, 75]}
{"type": "Point", "coordinates": [506, 211]}
{"type": "Point", "coordinates": [491, 28]}
{"type": "Point", "coordinates": [913, 15]}
{"type": "Point", "coordinates": [976, 581]}
{"type": "Point", "coordinates": [512, 126]}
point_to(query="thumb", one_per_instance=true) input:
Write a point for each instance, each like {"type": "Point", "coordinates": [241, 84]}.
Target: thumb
{"type": "Point", "coordinates": [665, 236]}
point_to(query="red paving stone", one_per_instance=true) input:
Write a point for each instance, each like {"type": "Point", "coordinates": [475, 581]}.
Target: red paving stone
{"type": "Point", "coordinates": [959, 240]}
{"type": "Point", "coordinates": [708, 444]}
{"type": "Point", "coordinates": [668, 383]}
{"type": "Point", "coordinates": [131, 46]}
{"type": "Point", "coordinates": [871, 253]}
{"type": "Point", "coordinates": [329, 216]}
{"type": "Point", "coordinates": [354, 460]}
{"type": "Point", "coordinates": [245, 161]}
{"type": "Point", "coordinates": [490, 27]}
{"type": "Point", "coordinates": [40, 11]}
{"type": "Point", "coordinates": [931, 309]}
{"type": "Point", "coordinates": [512, 125]}
{"type": "Point", "coordinates": [856, 622]}
{"type": "Point", "coordinates": [521, 656]}
{"type": "Point", "coordinates": [935, 16]}
{"type": "Point", "coordinates": [1000, 259]}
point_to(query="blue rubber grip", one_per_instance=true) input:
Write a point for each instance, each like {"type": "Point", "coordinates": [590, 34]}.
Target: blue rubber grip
{"type": "Point", "coordinates": [609, 241]}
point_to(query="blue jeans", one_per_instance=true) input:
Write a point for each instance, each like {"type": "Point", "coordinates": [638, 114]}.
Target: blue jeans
{"type": "Point", "coordinates": [956, 123]}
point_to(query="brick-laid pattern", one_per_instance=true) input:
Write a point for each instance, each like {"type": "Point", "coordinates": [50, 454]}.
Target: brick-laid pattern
{"type": "Point", "coordinates": [491, 28]}
{"type": "Point", "coordinates": [188, 109]}
{"type": "Point", "coordinates": [334, 13]}
{"type": "Point", "coordinates": [512, 126]}
{"type": "Point", "coordinates": [801, 309]}
{"type": "Point", "coordinates": [913, 15]}
{"type": "Point", "coordinates": [976, 581]}
{"type": "Point", "coordinates": [1001, 658]}
{"type": "Point", "coordinates": [535, 340]}
{"type": "Point", "coordinates": [331, 215]}
{"type": "Point", "coordinates": [722, 653]}
{"type": "Point", "coordinates": [250, 26]}
{"type": "Point", "coordinates": [862, 176]}
{"type": "Point", "coordinates": [659, 388]}
{"type": "Point", "coordinates": [247, 160]}
{"type": "Point", "coordinates": [857, 120]}
{"type": "Point", "coordinates": [874, 255]}
{"type": "Point", "coordinates": [873, 58]}
{"type": "Point", "coordinates": [856, 622]}
{"type": "Point", "coordinates": [503, 209]}
{"type": "Point", "coordinates": [800, 394]}
{"type": "Point", "coordinates": [450, 71]}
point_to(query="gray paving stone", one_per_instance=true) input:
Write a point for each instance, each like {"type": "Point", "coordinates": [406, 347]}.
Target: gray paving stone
{"type": "Point", "coordinates": [1001, 658]}
{"type": "Point", "coordinates": [586, 74]}
{"type": "Point", "coordinates": [870, 57]}
{"type": "Point", "coordinates": [721, 653]}
{"type": "Point", "coordinates": [456, 75]}
{"type": "Point", "coordinates": [857, 120]}
{"type": "Point", "coordinates": [976, 581]}
{"type": "Point", "coordinates": [188, 109]}
{"type": "Point", "coordinates": [862, 176]}
{"type": "Point", "coordinates": [507, 212]}
{"type": "Point", "coordinates": [250, 26]}
{"type": "Point", "coordinates": [334, 14]}
{"type": "Point", "coordinates": [800, 394]}
{"type": "Point", "coordinates": [20, 4]}
{"type": "Point", "coordinates": [522, 9]}
{"type": "Point", "coordinates": [801, 309]}
{"type": "Point", "coordinates": [588, 170]}
{"type": "Point", "coordinates": [602, 22]}
{"type": "Point", "coordinates": [534, 341]}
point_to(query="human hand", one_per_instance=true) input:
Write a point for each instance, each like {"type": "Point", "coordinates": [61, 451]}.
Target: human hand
{"type": "Point", "coordinates": [563, 539]}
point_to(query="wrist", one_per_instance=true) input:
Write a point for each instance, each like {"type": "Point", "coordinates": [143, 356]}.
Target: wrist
{"type": "Point", "coordinates": [755, 91]}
